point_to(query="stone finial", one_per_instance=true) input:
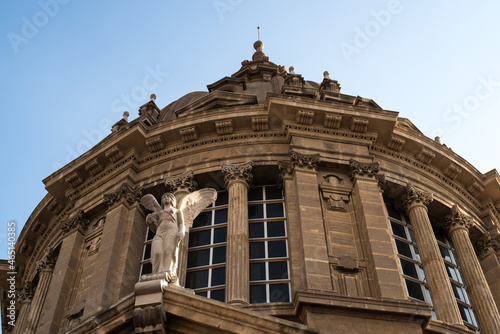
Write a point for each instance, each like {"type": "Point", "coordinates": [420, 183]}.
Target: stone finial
{"type": "Point", "coordinates": [291, 70]}
{"type": "Point", "coordinates": [258, 46]}
{"type": "Point", "coordinates": [153, 97]}
{"type": "Point", "coordinates": [414, 197]}
{"type": "Point", "coordinates": [238, 172]}
{"type": "Point", "coordinates": [326, 75]}
{"type": "Point", "coordinates": [126, 114]}
{"type": "Point", "coordinates": [486, 245]}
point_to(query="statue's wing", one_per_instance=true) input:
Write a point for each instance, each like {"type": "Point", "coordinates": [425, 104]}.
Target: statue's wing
{"type": "Point", "coordinates": [150, 203]}
{"type": "Point", "coordinates": [193, 203]}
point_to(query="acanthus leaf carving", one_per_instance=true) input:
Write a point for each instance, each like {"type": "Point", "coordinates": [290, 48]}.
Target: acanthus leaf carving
{"type": "Point", "coordinates": [486, 245]}
{"type": "Point", "coordinates": [79, 220]}
{"type": "Point", "coordinates": [182, 182]}
{"type": "Point", "coordinates": [304, 161]}
{"type": "Point", "coordinates": [414, 197]}
{"type": "Point", "coordinates": [131, 195]}
{"type": "Point", "coordinates": [238, 172]}
{"type": "Point", "coordinates": [48, 262]}
{"type": "Point", "coordinates": [456, 219]}
{"type": "Point", "coordinates": [364, 169]}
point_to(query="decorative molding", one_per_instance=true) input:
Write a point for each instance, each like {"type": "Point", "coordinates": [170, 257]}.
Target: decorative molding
{"type": "Point", "coordinates": [224, 127]}
{"type": "Point", "coordinates": [182, 182]}
{"type": "Point", "coordinates": [332, 121]}
{"type": "Point", "coordinates": [150, 319]}
{"type": "Point", "coordinates": [188, 134]}
{"type": "Point", "coordinates": [238, 173]}
{"type": "Point", "coordinates": [114, 154]}
{"type": "Point", "coordinates": [48, 262]}
{"type": "Point", "coordinates": [426, 156]}
{"type": "Point", "coordinates": [74, 179]}
{"type": "Point", "coordinates": [372, 137]}
{"type": "Point", "coordinates": [414, 197]}
{"type": "Point", "coordinates": [94, 167]}
{"type": "Point", "coordinates": [452, 171]}
{"type": "Point", "coordinates": [27, 292]}
{"type": "Point", "coordinates": [475, 188]}
{"type": "Point", "coordinates": [304, 117]}
{"type": "Point", "coordinates": [27, 247]}
{"type": "Point", "coordinates": [78, 221]}
{"type": "Point", "coordinates": [456, 220]}
{"type": "Point", "coordinates": [368, 170]}
{"type": "Point", "coordinates": [55, 207]}
{"type": "Point", "coordinates": [396, 143]}
{"type": "Point", "coordinates": [260, 123]}
{"type": "Point", "coordinates": [335, 192]}
{"type": "Point", "coordinates": [39, 226]}
{"type": "Point", "coordinates": [359, 125]}
{"type": "Point", "coordinates": [155, 143]}
{"type": "Point", "coordinates": [486, 245]}
{"type": "Point", "coordinates": [131, 195]}
{"type": "Point", "coordinates": [304, 161]}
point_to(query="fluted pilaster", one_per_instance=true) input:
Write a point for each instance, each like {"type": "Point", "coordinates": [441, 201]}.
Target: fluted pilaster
{"type": "Point", "coordinates": [25, 297]}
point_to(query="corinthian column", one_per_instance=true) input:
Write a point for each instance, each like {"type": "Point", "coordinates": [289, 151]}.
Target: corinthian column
{"type": "Point", "coordinates": [457, 226]}
{"type": "Point", "coordinates": [238, 177]}
{"type": "Point", "coordinates": [45, 267]}
{"type": "Point", "coordinates": [180, 186]}
{"type": "Point", "coordinates": [439, 284]}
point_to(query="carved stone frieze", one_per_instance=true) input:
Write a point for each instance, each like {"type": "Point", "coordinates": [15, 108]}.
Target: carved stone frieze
{"type": "Point", "coordinates": [114, 154]}
{"type": "Point", "coordinates": [224, 127]}
{"type": "Point", "coordinates": [475, 188]}
{"type": "Point", "coordinates": [188, 134]}
{"type": "Point", "coordinates": [414, 197]}
{"type": "Point", "coordinates": [486, 245]}
{"type": "Point", "coordinates": [426, 156]}
{"type": "Point", "coordinates": [260, 123]}
{"type": "Point", "coordinates": [332, 121]}
{"type": "Point", "coordinates": [359, 125]}
{"type": "Point", "coordinates": [94, 167]}
{"type": "Point", "coordinates": [183, 181]}
{"type": "Point", "coordinates": [238, 172]}
{"type": "Point", "coordinates": [126, 192]}
{"type": "Point", "coordinates": [74, 179]}
{"type": "Point", "coordinates": [155, 143]}
{"type": "Point", "coordinates": [396, 143]}
{"type": "Point", "coordinates": [79, 220]}
{"type": "Point", "coordinates": [48, 262]}
{"type": "Point", "coordinates": [304, 117]}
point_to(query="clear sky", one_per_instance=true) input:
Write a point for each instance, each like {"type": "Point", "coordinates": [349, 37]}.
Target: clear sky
{"type": "Point", "coordinates": [69, 69]}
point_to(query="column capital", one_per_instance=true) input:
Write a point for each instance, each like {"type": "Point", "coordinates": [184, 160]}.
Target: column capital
{"type": "Point", "coordinates": [48, 262]}
{"type": "Point", "coordinates": [304, 161]}
{"type": "Point", "coordinates": [125, 192]}
{"type": "Point", "coordinates": [414, 197]}
{"type": "Point", "coordinates": [184, 182]}
{"type": "Point", "coordinates": [77, 221]}
{"type": "Point", "coordinates": [486, 245]}
{"type": "Point", "coordinates": [27, 292]}
{"type": "Point", "coordinates": [366, 170]}
{"type": "Point", "coordinates": [238, 173]}
{"type": "Point", "coordinates": [456, 220]}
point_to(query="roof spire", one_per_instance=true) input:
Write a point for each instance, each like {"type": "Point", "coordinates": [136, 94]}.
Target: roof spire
{"type": "Point", "coordinates": [258, 33]}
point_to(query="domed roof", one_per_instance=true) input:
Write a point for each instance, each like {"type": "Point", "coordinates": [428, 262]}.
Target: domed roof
{"type": "Point", "coordinates": [168, 112]}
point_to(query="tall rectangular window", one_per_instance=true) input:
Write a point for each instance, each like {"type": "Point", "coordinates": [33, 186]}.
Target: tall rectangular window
{"type": "Point", "coordinates": [269, 261]}
{"type": "Point", "coordinates": [206, 264]}
{"type": "Point", "coordinates": [146, 266]}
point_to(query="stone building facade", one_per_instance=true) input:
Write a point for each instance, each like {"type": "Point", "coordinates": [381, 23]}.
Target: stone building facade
{"type": "Point", "coordinates": [333, 216]}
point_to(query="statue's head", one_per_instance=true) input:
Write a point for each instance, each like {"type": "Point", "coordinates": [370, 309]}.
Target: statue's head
{"type": "Point", "coordinates": [168, 198]}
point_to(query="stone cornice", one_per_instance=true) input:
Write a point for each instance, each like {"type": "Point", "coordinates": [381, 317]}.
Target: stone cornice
{"type": "Point", "coordinates": [238, 173]}
{"type": "Point", "coordinates": [78, 221]}
{"type": "Point", "coordinates": [456, 220]}
{"type": "Point", "coordinates": [370, 137]}
{"type": "Point", "coordinates": [124, 192]}
{"type": "Point", "coordinates": [414, 197]}
{"type": "Point", "coordinates": [182, 182]}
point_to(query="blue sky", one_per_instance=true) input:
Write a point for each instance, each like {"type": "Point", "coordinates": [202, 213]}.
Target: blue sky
{"type": "Point", "coordinates": [69, 69]}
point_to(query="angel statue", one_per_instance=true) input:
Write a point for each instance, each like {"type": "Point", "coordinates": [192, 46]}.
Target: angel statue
{"type": "Point", "coordinates": [169, 222]}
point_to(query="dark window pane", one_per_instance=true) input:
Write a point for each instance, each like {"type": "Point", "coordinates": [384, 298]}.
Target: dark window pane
{"type": "Point", "coordinates": [220, 235]}
{"type": "Point", "coordinates": [197, 279]}
{"type": "Point", "coordinates": [278, 270]}
{"type": "Point", "coordinates": [398, 230]}
{"type": "Point", "coordinates": [255, 194]}
{"type": "Point", "coordinates": [275, 229]}
{"type": "Point", "coordinates": [199, 238]}
{"type": "Point", "coordinates": [440, 236]}
{"type": "Point", "coordinates": [220, 216]}
{"type": "Point", "coordinates": [219, 295]}
{"type": "Point", "coordinates": [274, 210]}
{"type": "Point", "coordinates": [219, 255]}
{"type": "Point", "coordinates": [218, 276]}
{"type": "Point", "coordinates": [257, 271]}
{"type": "Point", "coordinates": [464, 312]}
{"type": "Point", "coordinates": [203, 219]}
{"type": "Point", "coordinates": [392, 212]}
{"type": "Point", "coordinates": [414, 290]}
{"type": "Point", "coordinates": [198, 258]}
{"type": "Point", "coordinates": [256, 230]}
{"type": "Point", "coordinates": [147, 268]}
{"type": "Point", "coordinates": [403, 248]}
{"type": "Point", "coordinates": [409, 269]}
{"type": "Point", "coordinates": [417, 254]}
{"type": "Point", "coordinates": [445, 253]}
{"type": "Point", "coordinates": [257, 294]}
{"type": "Point", "coordinates": [279, 293]}
{"type": "Point", "coordinates": [255, 211]}
{"type": "Point", "coordinates": [202, 293]}
{"type": "Point", "coordinates": [408, 221]}
{"type": "Point", "coordinates": [151, 234]}
{"type": "Point", "coordinates": [451, 272]}
{"type": "Point", "coordinates": [257, 250]}
{"type": "Point", "coordinates": [273, 193]}
{"type": "Point", "coordinates": [412, 236]}
{"type": "Point", "coordinates": [221, 198]}
{"type": "Point", "coordinates": [458, 292]}
{"type": "Point", "coordinates": [147, 252]}
{"type": "Point", "coordinates": [277, 248]}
